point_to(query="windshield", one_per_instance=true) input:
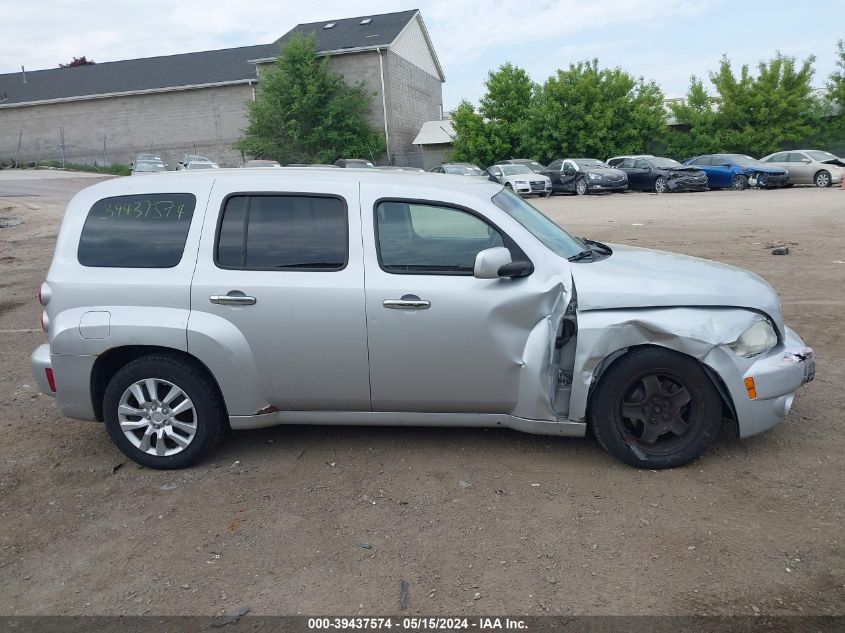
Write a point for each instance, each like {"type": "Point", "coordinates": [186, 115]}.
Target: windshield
{"type": "Point", "coordinates": [200, 165]}
{"type": "Point", "coordinates": [664, 163]}
{"type": "Point", "coordinates": [515, 170]}
{"type": "Point", "coordinates": [550, 234]}
{"type": "Point", "coordinates": [742, 159]}
{"type": "Point", "coordinates": [821, 156]}
{"type": "Point", "coordinates": [351, 165]}
{"type": "Point", "coordinates": [462, 170]}
{"type": "Point", "coordinates": [590, 163]}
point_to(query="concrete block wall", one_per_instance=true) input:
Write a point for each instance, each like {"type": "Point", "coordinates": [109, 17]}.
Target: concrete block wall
{"type": "Point", "coordinates": [413, 97]}
{"type": "Point", "coordinates": [363, 67]}
{"type": "Point", "coordinates": [208, 121]}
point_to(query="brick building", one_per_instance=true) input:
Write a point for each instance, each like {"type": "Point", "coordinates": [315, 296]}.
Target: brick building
{"type": "Point", "coordinates": [197, 102]}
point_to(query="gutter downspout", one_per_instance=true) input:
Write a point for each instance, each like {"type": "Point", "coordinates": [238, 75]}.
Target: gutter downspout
{"type": "Point", "coordinates": [384, 103]}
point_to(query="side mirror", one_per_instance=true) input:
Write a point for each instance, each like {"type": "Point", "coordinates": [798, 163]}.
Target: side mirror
{"type": "Point", "coordinates": [493, 263]}
{"type": "Point", "coordinates": [489, 261]}
{"type": "Point", "coordinates": [725, 165]}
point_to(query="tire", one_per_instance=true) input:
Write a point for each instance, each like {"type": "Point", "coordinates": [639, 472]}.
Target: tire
{"type": "Point", "coordinates": [739, 183]}
{"type": "Point", "coordinates": [509, 187]}
{"type": "Point", "coordinates": [581, 187]}
{"type": "Point", "coordinates": [822, 179]}
{"type": "Point", "coordinates": [660, 185]}
{"type": "Point", "coordinates": [683, 393]}
{"type": "Point", "coordinates": [186, 437]}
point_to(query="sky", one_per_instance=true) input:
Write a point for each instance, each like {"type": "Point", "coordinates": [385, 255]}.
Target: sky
{"type": "Point", "coordinates": [662, 40]}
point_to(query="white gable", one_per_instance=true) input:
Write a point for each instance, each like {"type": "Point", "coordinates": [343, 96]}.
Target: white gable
{"type": "Point", "coordinates": [413, 45]}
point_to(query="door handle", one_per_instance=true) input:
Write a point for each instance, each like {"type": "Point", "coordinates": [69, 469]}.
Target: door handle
{"type": "Point", "coordinates": [233, 298]}
{"type": "Point", "coordinates": [407, 302]}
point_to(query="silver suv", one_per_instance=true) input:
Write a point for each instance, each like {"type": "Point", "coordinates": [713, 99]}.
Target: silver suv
{"type": "Point", "coordinates": [180, 305]}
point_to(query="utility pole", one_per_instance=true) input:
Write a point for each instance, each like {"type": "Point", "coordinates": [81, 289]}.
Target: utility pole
{"type": "Point", "coordinates": [18, 161]}
{"type": "Point", "coordinates": [62, 134]}
{"type": "Point", "coordinates": [104, 150]}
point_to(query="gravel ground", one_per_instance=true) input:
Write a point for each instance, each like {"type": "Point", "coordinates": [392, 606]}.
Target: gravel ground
{"type": "Point", "coordinates": [330, 520]}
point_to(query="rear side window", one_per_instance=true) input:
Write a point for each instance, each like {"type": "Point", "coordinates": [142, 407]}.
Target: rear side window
{"type": "Point", "coordinates": [283, 232]}
{"type": "Point", "coordinates": [137, 231]}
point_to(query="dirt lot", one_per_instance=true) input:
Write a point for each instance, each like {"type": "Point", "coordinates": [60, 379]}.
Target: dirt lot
{"type": "Point", "coordinates": [329, 520]}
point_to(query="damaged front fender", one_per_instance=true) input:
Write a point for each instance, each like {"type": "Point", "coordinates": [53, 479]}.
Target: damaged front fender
{"type": "Point", "coordinates": [701, 333]}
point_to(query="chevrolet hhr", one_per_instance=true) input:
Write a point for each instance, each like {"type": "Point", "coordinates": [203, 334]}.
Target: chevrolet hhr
{"type": "Point", "coordinates": [181, 305]}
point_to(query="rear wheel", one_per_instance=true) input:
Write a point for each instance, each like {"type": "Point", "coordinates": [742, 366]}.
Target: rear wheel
{"type": "Point", "coordinates": [581, 187]}
{"type": "Point", "coordinates": [655, 408]}
{"type": "Point", "coordinates": [660, 185]}
{"type": "Point", "coordinates": [822, 179]}
{"type": "Point", "coordinates": [739, 183]}
{"type": "Point", "coordinates": [163, 412]}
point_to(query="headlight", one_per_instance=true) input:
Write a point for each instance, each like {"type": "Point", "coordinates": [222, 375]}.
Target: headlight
{"type": "Point", "coordinates": [522, 182]}
{"type": "Point", "coordinates": [757, 339]}
{"type": "Point", "coordinates": [594, 176]}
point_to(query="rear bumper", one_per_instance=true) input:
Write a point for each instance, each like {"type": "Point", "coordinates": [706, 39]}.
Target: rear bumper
{"type": "Point", "coordinates": [777, 376]}
{"type": "Point", "coordinates": [71, 377]}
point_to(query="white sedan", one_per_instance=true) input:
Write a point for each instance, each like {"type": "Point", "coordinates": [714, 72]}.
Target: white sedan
{"type": "Point", "coordinates": [520, 179]}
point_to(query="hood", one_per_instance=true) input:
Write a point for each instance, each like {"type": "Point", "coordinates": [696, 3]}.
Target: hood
{"type": "Point", "coordinates": [526, 177]}
{"type": "Point", "coordinates": [764, 169]}
{"type": "Point", "coordinates": [640, 277]}
{"type": "Point", "coordinates": [683, 168]}
{"type": "Point", "coordinates": [835, 162]}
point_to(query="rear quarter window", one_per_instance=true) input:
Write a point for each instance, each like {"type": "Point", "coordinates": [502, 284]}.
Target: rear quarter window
{"type": "Point", "coordinates": [137, 231]}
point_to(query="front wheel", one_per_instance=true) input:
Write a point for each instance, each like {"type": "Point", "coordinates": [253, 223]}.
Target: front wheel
{"type": "Point", "coordinates": [163, 412]}
{"type": "Point", "coordinates": [822, 179]}
{"type": "Point", "coordinates": [739, 183]}
{"type": "Point", "coordinates": [655, 408]}
{"type": "Point", "coordinates": [660, 185]}
{"type": "Point", "coordinates": [581, 187]}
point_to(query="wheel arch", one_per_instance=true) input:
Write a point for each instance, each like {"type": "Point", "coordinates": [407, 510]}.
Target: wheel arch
{"type": "Point", "coordinates": [110, 361]}
{"type": "Point", "coordinates": [729, 410]}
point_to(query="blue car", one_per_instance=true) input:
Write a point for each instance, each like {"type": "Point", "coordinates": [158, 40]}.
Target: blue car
{"type": "Point", "coordinates": [737, 171]}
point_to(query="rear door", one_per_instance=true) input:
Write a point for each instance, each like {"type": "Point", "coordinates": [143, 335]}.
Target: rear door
{"type": "Point", "coordinates": [800, 168]}
{"type": "Point", "coordinates": [280, 281]}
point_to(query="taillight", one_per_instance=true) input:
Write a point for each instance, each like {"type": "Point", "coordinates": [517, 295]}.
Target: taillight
{"type": "Point", "coordinates": [44, 294]}
{"type": "Point", "coordinates": [51, 380]}
{"type": "Point", "coordinates": [45, 321]}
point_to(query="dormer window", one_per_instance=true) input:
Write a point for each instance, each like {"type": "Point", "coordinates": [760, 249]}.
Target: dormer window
{"type": "Point", "coordinates": [330, 25]}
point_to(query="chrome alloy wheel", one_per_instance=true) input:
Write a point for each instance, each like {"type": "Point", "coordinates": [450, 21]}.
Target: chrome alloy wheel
{"type": "Point", "coordinates": [157, 417]}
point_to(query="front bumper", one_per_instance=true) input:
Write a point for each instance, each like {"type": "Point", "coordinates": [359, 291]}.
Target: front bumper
{"type": "Point", "coordinates": [534, 188]}
{"type": "Point", "coordinates": [769, 181]}
{"type": "Point", "coordinates": [777, 375]}
{"type": "Point", "coordinates": [683, 184]}
{"type": "Point", "coordinates": [598, 185]}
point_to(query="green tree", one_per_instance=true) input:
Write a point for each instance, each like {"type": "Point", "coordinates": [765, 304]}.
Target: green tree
{"type": "Point", "coordinates": [498, 130]}
{"type": "Point", "coordinates": [698, 119]}
{"type": "Point", "coordinates": [754, 115]}
{"type": "Point", "coordinates": [304, 113]}
{"type": "Point", "coordinates": [836, 84]}
{"type": "Point", "coordinates": [589, 111]}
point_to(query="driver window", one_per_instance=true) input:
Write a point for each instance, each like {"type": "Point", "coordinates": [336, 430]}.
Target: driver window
{"type": "Point", "coordinates": [628, 163]}
{"type": "Point", "coordinates": [795, 157]}
{"type": "Point", "coordinates": [641, 164]}
{"type": "Point", "coordinates": [556, 166]}
{"type": "Point", "coordinates": [428, 239]}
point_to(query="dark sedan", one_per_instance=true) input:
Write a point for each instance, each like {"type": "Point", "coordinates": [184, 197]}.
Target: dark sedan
{"type": "Point", "coordinates": [738, 171]}
{"type": "Point", "coordinates": [584, 175]}
{"type": "Point", "coordinates": [652, 173]}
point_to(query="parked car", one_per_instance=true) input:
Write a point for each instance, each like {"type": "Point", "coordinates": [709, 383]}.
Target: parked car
{"type": "Point", "coordinates": [178, 306]}
{"type": "Point", "coordinates": [459, 169]}
{"type": "Point", "coordinates": [354, 163]}
{"type": "Point", "coordinates": [140, 166]}
{"type": "Point", "coordinates": [738, 171]}
{"type": "Point", "coordinates": [652, 173]}
{"type": "Point", "coordinates": [260, 163]}
{"type": "Point", "coordinates": [809, 166]}
{"type": "Point", "coordinates": [195, 161]}
{"type": "Point", "coordinates": [520, 179]}
{"type": "Point", "coordinates": [154, 157]}
{"type": "Point", "coordinates": [617, 160]}
{"type": "Point", "coordinates": [584, 175]}
{"type": "Point", "coordinates": [533, 165]}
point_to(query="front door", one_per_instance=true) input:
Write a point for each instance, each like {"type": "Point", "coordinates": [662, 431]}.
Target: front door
{"type": "Point", "coordinates": [440, 340]}
{"type": "Point", "coordinates": [280, 277]}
